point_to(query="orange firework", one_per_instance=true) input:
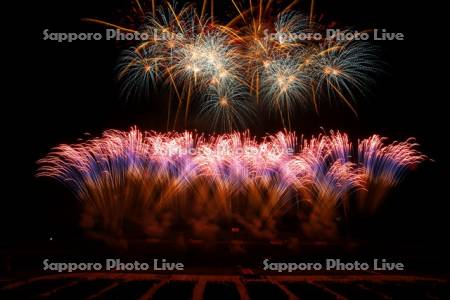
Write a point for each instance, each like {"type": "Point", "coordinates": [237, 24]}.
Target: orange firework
{"type": "Point", "coordinates": [152, 179]}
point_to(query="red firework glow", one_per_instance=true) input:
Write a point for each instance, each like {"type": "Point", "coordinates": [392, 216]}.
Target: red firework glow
{"type": "Point", "coordinates": [155, 180]}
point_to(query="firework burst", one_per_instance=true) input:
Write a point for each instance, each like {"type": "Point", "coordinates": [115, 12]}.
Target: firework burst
{"type": "Point", "coordinates": [257, 53]}
{"type": "Point", "coordinates": [284, 85]}
{"type": "Point", "coordinates": [140, 177]}
{"type": "Point", "coordinates": [227, 106]}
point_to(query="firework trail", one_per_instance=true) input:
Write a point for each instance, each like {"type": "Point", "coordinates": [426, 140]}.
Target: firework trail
{"type": "Point", "coordinates": [151, 179]}
{"type": "Point", "coordinates": [257, 54]}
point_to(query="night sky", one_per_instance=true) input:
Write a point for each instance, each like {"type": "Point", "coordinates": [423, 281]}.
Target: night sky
{"type": "Point", "coordinates": [63, 90]}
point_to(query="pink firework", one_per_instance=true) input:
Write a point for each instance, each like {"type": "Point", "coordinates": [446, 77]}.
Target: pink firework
{"type": "Point", "coordinates": [142, 177]}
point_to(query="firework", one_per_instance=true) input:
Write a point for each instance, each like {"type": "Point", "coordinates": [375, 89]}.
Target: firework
{"type": "Point", "coordinates": [344, 68]}
{"type": "Point", "coordinates": [284, 85]}
{"type": "Point", "coordinates": [138, 69]}
{"type": "Point", "coordinates": [202, 59]}
{"type": "Point", "coordinates": [227, 106]}
{"type": "Point", "coordinates": [387, 163]}
{"type": "Point", "coordinates": [384, 166]}
{"type": "Point", "coordinates": [144, 177]}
